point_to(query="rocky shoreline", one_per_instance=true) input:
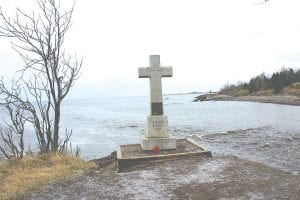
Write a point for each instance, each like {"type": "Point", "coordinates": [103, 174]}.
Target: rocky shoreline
{"type": "Point", "coordinates": [276, 99]}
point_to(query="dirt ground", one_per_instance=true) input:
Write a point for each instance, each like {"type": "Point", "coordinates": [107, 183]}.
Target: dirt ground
{"type": "Point", "coordinates": [220, 177]}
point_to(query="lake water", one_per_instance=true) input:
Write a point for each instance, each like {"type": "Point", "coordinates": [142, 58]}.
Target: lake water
{"type": "Point", "coordinates": [263, 132]}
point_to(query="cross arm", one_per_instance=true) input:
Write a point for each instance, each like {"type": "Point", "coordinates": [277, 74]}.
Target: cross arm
{"type": "Point", "coordinates": [144, 72]}
{"type": "Point", "coordinates": [167, 72]}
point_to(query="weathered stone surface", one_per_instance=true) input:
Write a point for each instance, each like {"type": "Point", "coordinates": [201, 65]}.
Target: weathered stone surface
{"type": "Point", "coordinates": [131, 155]}
{"type": "Point", "coordinates": [163, 142]}
{"type": "Point", "coordinates": [154, 61]}
{"type": "Point", "coordinates": [157, 127]}
{"type": "Point", "coordinates": [155, 72]}
{"type": "Point", "coordinates": [157, 108]}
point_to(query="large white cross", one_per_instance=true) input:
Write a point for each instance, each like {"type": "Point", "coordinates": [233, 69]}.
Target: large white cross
{"type": "Point", "coordinates": [155, 72]}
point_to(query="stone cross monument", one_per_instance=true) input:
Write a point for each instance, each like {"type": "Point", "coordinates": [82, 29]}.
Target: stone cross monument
{"type": "Point", "coordinates": [157, 129]}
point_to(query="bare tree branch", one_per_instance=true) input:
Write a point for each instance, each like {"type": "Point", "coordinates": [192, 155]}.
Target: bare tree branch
{"type": "Point", "coordinates": [48, 74]}
{"type": "Point", "coordinates": [11, 135]}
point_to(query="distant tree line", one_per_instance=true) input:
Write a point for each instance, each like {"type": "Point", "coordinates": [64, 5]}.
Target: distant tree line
{"type": "Point", "coordinates": [279, 80]}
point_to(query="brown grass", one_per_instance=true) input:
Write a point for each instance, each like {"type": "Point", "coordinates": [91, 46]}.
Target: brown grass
{"type": "Point", "coordinates": [268, 92]}
{"type": "Point", "coordinates": [296, 85]}
{"type": "Point", "coordinates": [19, 177]}
{"type": "Point", "coordinates": [293, 90]}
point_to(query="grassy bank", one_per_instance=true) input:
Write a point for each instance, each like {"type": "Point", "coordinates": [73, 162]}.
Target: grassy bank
{"type": "Point", "coordinates": [293, 90]}
{"type": "Point", "coordinates": [19, 177]}
{"type": "Point", "coordinates": [289, 96]}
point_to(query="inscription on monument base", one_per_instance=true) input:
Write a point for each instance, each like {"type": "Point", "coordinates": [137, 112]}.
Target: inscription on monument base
{"type": "Point", "coordinates": [157, 127]}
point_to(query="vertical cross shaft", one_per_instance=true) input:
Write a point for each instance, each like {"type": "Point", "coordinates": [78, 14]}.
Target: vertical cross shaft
{"type": "Point", "coordinates": [155, 72]}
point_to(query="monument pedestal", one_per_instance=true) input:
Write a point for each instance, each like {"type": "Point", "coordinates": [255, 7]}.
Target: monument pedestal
{"type": "Point", "coordinates": [157, 134]}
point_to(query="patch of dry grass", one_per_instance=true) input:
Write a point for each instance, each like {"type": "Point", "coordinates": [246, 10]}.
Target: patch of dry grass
{"type": "Point", "coordinates": [19, 177]}
{"type": "Point", "coordinates": [296, 85]}
{"type": "Point", "coordinates": [293, 90]}
{"type": "Point", "coordinates": [268, 92]}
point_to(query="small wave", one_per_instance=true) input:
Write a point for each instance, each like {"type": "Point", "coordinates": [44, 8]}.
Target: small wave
{"type": "Point", "coordinates": [238, 131]}
{"type": "Point", "coordinates": [173, 103]}
{"type": "Point", "coordinates": [296, 137]}
{"type": "Point", "coordinates": [128, 126]}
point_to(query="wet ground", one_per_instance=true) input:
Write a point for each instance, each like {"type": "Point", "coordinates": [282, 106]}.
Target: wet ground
{"type": "Point", "coordinates": [258, 163]}
{"type": "Point", "coordinates": [265, 145]}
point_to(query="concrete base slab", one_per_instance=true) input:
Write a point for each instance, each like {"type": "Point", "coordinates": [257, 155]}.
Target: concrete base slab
{"type": "Point", "coordinates": [132, 155]}
{"type": "Point", "coordinates": [162, 142]}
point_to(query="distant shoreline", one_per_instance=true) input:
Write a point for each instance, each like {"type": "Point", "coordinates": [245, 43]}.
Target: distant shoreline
{"type": "Point", "coordinates": [275, 99]}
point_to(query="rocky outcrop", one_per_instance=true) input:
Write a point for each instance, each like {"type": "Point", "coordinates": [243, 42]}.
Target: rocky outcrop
{"type": "Point", "coordinates": [212, 97]}
{"type": "Point", "coordinates": [276, 99]}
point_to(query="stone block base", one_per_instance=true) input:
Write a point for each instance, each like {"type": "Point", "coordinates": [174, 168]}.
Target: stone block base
{"type": "Point", "coordinates": [157, 126]}
{"type": "Point", "coordinates": [163, 143]}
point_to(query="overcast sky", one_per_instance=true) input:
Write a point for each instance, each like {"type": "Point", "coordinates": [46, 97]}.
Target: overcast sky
{"type": "Point", "coordinates": [207, 42]}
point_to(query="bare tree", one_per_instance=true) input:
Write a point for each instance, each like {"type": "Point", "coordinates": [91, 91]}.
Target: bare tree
{"type": "Point", "coordinates": [48, 74]}
{"type": "Point", "coordinates": [12, 133]}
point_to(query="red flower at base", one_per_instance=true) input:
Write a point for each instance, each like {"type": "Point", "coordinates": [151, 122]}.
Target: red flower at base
{"type": "Point", "coordinates": [156, 149]}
